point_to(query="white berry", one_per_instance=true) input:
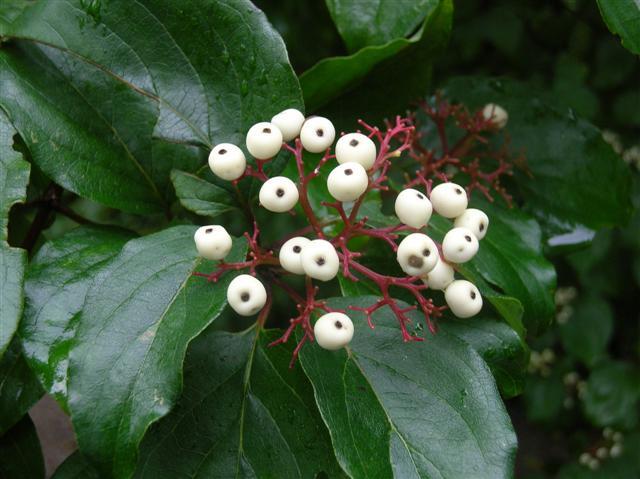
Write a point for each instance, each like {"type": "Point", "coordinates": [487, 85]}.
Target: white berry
{"type": "Point", "coordinates": [278, 194]}
{"type": "Point", "coordinates": [320, 260]}
{"type": "Point", "coordinates": [463, 298]}
{"type": "Point", "coordinates": [459, 245]}
{"type": "Point", "coordinates": [496, 114]}
{"type": "Point", "coordinates": [264, 140]}
{"type": "Point", "coordinates": [290, 254]}
{"type": "Point", "coordinates": [348, 181]}
{"type": "Point", "coordinates": [317, 134]}
{"type": "Point", "coordinates": [358, 148]}
{"type": "Point", "coordinates": [212, 241]}
{"type": "Point", "coordinates": [474, 220]}
{"type": "Point", "coordinates": [439, 277]}
{"type": "Point", "coordinates": [449, 200]}
{"type": "Point", "coordinates": [333, 331]}
{"type": "Point", "coordinates": [417, 254]}
{"type": "Point", "coordinates": [413, 208]}
{"type": "Point", "coordinates": [227, 161]}
{"type": "Point", "coordinates": [289, 122]}
{"type": "Point", "coordinates": [246, 295]}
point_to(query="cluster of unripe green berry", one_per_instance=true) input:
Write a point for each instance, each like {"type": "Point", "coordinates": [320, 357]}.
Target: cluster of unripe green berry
{"type": "Point", "coordinates": [356, 154]}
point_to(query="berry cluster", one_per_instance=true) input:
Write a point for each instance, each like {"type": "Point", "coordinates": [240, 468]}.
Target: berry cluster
{"type": "Point", "coordinates": [611, 446]}
{"type": "Point", "coordinates": [362, 167]}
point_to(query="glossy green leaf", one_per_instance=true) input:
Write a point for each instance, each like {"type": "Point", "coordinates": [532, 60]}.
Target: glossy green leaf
{"type": "Point", "coordinates": [363, 24]}
{"type": "Point", "coordinates": [19, 387]}
{"type": "Point", "coordinates": [200, 196]}
{"type": "Point", "coordinates": [76, 466]}
{"type": "Point", "coordinates": [623, 19]}
{"type": "Point", "coordinates": [588, 330]}
{"type": "Point", "coordinates": [243, 413]}
{"type": "Point", "coordinates": [557, 146]}
{"type": "Point", "coordinates": [14, 177]}
{"type": "Point", "coordinates": [102, 92]}
{"type": "Point", "coordinates": [348, 87]}
{"type": "Point", "coordinates": [612, 397]}
{"type": "Point", "coordinates": [500, 346]}
{"type": "Point", "coordinates": [57, 282]}
{"type": "Point", "coordinates": [20, 453]}
{"type": "Point", "coordinates": [140, 313]}
{"type": "Point", "coordinates": [409, 410]}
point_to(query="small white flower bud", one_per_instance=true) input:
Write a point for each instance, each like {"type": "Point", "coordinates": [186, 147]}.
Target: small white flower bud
{"type": "Point", "coordinates": [496, 114]}
{"type": "Point", "coordinates": [413, 208]}
{"type": "Point", "coordinates": [459, 245]}
{"type": "Point", "coordinates": [291, 254]}
{"type": "Point", "coordinates": [463, 298]}
{"type": "Point", "coordinates": [357, 148]}
{"type": "Point", "coordinates": [449, 200]}
{"type": "Point", "coordinates": [320, 260]}
{"type": "Point", "coordinates": [212, 242]}
{"type": "Point", "coordinates": [417, 254]}
{"type": "Point", "coordinates": [289, 122]}
{"type": "Point", "coordinates": [278, 194]}
{"type": "Point", "coordinates": [264, 140]}
{"type": "Point", "coordinates": [348, 181]}
{"type": "Point", "coordinates": [333, 331]}
{"type": "Point", "coordinates": [227, 161]}
{"type": "Point", "coordinates": [474, 220]}
{"type": "Point", "coordinates": [317, 134]}
{"type": "Point", "coordinates": [246, 295]}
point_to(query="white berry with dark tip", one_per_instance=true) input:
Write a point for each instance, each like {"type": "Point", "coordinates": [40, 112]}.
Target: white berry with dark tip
{"type": "Point", "coordinates": [417, 254]}
{"type": "Point", "coordinates": [498, 115]}
{"type": "Point", "coordinates": [264, 140]}
{"type": "Point", "coordinates": [449, 200]}
{"type": "Point", "coordinates": [348, 181]}
{"type": "Point", "coordinates": [289, 122]}
{"type": "Point", "coordinates": [358, 148]}
{"type": "Point", "coordinates": [320, 260]}
{"type": "Point", "coordinates": [227, 161]}
{"type": "Point", "coordinates": [291, 254]}
{"type": "Point", "coordinates": [463, 298]}
{"type": "Point", "coordinates": [333, 331]}
{"type": "Point", "coordinates": [212, 242]}
{"type": "Point", "coordinates": [439, 277]}
{"type": "Point", "coordinates": [246, 295]}
{"type": "Point", "coordinates": [459, 245]}
{"type": "Point", "coordinates": [278, 194]}
{"type": "Point", "coordinates": [413, 208]}
{"type": "Point", "coordinates": [317, 134]}
{"type": "Point", "coordinates": [475, 220]}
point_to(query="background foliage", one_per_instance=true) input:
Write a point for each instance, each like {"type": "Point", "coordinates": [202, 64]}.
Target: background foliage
{"type": "Point", "coordinates": [107, 112]}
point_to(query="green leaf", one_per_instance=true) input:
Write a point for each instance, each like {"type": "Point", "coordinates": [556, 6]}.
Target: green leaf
{"type": "Point", "coordinates": [76, 466]}
{"type": "Point", "coordinates": [20, 454]}
{"type": "Point", "coordinates": [57, 282]}
{"type": "Point", "coordinates": [200, 196]}
{"type": "Point", "coordinates": [363, 24]}
{"type": "Point", "coordinates": [348, 87]}
{"type": "Point", "coordinates": [93, 94]}
{"type": "Point", "coordinates": [587, 332]}
{"type": "Point", "coordinates": [139, 314]}
{"type": "Point", "coordinates": [613, 395]}
{"type": "Point", "coordinates": [396, 410]}
{"type": "Point", "coordinates": [500, 346]}
{"type": "Point", "coordinates": [557, 146]}
{"type": "Point", "coordinates": [19, 387]}
{"type": "Point", "coordinates": [14, 177]}
{"type": "Point", "coordinates": [623, 19]}
{"type": "Point", "coordinates": [544, 397]}
{"type": "Point", "coordinates": [243, 413]}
